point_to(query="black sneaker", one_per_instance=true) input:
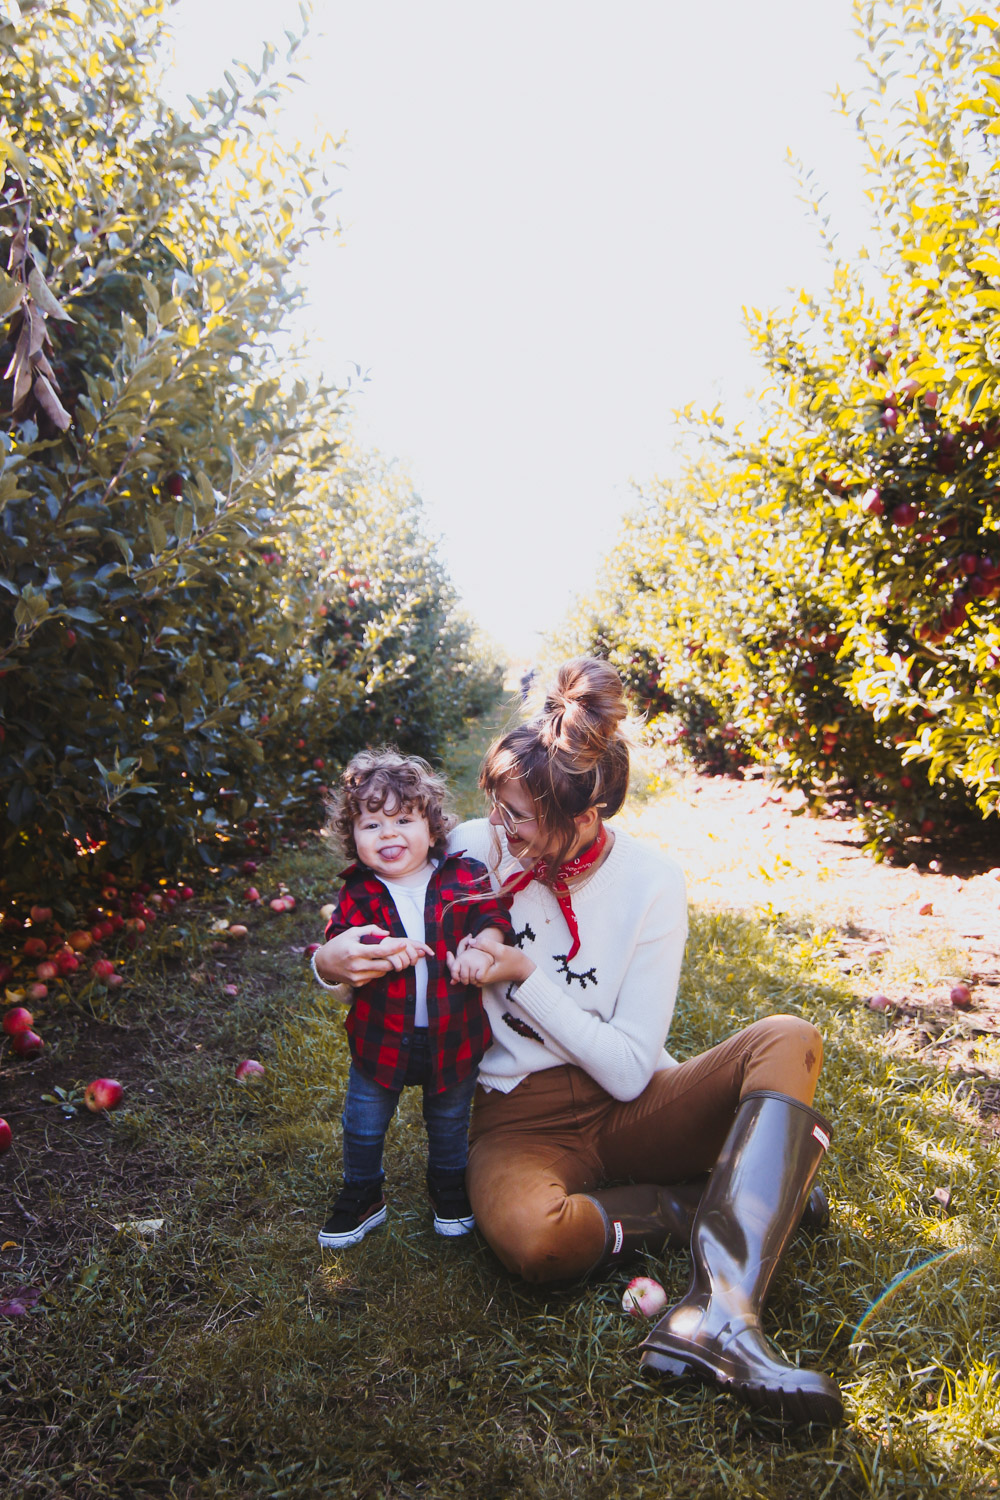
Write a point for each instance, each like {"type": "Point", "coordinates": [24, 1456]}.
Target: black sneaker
{"type": "Point", "coordinates": [359, 1209]}
{"type": "Point", "coordinates": [452, 1210]}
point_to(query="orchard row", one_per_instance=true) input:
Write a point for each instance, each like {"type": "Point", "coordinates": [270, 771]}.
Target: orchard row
{"type": "Point", "coordinates": [823, 596]}
{"type": "Point", "coordinates": [208, 600]}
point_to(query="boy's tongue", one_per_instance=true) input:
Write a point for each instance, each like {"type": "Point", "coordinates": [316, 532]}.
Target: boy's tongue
{"type": "Point", "coordinates": [391, 852]}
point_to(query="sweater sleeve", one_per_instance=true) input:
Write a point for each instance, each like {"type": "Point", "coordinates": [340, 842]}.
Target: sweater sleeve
{"type": "Point", "coordinates": [623, 1052]}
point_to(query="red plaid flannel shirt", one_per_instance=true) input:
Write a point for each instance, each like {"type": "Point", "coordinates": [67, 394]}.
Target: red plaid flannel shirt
{"type": "Point", "coordinates": [380, 1022]}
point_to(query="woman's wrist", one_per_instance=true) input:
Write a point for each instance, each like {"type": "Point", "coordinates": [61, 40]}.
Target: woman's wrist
{"type": "Point", "coordinates": [324, 963]}
{"type": "Point", "coordinates": [527, 967]}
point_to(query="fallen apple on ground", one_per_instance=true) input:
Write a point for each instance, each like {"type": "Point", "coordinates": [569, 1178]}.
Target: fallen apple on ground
{"type": "Point", "coordinates": [102, 1094]}
{"type": "Point", "coordinates": [17, 1020]}
{"type": "Point", "coordinates": [26, 1043]}
{"type": "Point", "coordinates": [880, 1002]}
{"type": "Point", "coordinates": [961, 997]}
{"type": "Point", "coordinates": [644, 1297]}
{"type": "Point", "coordinates": [6, 1136]}
{"type": "Point", "coordinates": [250, 1068]}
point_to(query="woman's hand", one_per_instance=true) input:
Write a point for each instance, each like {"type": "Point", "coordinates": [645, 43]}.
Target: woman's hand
{"type": "Point", "coordinates": [504, 965]}
{"type": "Point", "coordinates": [346, 959]}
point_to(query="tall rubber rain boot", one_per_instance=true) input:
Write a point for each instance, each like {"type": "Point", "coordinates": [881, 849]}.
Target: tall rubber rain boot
{"type": "Point", "coordinates": [748, 1214]}
{"type": "Point", "coordinates": [644, 1216]}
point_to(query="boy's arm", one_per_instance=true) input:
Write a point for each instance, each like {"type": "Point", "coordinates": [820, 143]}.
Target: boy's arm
{"type": "Point", "coordinates": [484, 911]}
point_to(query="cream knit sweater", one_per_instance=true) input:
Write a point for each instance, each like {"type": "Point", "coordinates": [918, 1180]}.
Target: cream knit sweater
{"type": "Point", "coordinates": [609, 1010]}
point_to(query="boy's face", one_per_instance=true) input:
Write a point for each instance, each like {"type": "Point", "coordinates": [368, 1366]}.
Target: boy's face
{"type": "Point", "coordinates": [395, 842]}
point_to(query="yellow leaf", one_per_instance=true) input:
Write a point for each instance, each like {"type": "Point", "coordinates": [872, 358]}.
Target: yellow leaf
{"type": "Point", "coordinates": [43, 297]}
{"type": "Point", "coordinates": [11, 292]}
{"type": "Point", "coordinates": [988, 264]}
{"type": "Point", "coordinates": [16, 157]}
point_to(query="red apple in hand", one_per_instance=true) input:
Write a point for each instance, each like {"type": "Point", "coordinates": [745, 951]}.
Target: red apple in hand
{"type": "Point", "coordinates": [102, 1094]}
{"type": "Point", "coordinates": [6, 1136]}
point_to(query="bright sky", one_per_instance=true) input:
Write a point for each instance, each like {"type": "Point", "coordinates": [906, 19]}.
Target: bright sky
{"type": "Point", "coordinates": [554, 212]}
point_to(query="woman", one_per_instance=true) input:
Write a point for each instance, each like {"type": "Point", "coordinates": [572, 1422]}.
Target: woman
{"type": "Point", "coordinates": [576, 1090]}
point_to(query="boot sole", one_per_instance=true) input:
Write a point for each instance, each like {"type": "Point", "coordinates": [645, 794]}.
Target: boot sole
{"type": "Point", "coordinates": [801, 1407]}
{"type": "Point", "coordinates": [452, 1228]}
{"type": "Point", "coordinates": [349, 1237]}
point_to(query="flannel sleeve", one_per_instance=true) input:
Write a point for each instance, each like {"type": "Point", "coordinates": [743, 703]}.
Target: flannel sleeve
{"type": "Point", "coordinates": [483, 914]}
{"type": "Point", "coordinates": [347, 914]}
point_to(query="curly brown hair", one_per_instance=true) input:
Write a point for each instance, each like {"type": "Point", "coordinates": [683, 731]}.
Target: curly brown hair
{"type": "Point", "coordinates": [374, 778]}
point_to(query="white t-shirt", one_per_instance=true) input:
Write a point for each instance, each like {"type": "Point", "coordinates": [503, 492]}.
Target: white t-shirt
{"type": "Point", "coordinates": [409, 902]}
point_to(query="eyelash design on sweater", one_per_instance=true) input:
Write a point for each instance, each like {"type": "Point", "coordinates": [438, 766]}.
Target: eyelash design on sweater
{"type": "Point", "coordinates": [588, 976]}
{"type": "Point", "coordinates": [525, 932]}
{"type": "Point", "coordinates": [521, 1027]}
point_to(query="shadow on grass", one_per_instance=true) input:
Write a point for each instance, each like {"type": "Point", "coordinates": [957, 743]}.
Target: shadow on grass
{"type": "Point", "coordinates": [227, 1357]}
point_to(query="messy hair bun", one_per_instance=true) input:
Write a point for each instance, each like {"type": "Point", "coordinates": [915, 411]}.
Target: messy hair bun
{"type": "Point", "coordinates": [574, 755]}
{"type": "Point", "coordinates": [582, 712]}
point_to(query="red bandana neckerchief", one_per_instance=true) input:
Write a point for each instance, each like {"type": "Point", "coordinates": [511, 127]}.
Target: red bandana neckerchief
{"type": "Point", "coordinates": [559, 887]}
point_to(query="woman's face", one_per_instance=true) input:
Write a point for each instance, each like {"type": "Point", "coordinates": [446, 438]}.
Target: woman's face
{"type": "Point", "coordinates": [514, 811]}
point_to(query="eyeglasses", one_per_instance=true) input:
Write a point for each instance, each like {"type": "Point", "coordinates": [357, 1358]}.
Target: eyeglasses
{"type": "Point", "coordinates": [507, 818]}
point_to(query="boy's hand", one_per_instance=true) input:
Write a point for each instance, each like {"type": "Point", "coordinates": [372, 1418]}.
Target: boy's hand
{"type": "Point", "coordinates": [503, 964]}
{"type": "Point", "coordinates": [353, 958]}
{"type": "Point", "coordinates": [470, 966]}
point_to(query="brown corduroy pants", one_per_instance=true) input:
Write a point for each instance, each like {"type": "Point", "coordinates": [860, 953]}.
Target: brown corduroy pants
{"type": "Point", "coordinates": [535, 1152]}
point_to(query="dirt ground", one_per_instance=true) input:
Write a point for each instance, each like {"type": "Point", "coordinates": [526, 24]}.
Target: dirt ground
{"type": "Point", "coordinates": [908, 933]}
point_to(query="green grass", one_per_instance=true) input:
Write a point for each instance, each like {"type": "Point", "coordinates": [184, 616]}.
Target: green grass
{"type": "Point", "coordinates": [227, 1357]}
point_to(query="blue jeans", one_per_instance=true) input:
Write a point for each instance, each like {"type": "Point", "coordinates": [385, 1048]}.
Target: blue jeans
{"type": "Point", "coordinates": [369, 1107]}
